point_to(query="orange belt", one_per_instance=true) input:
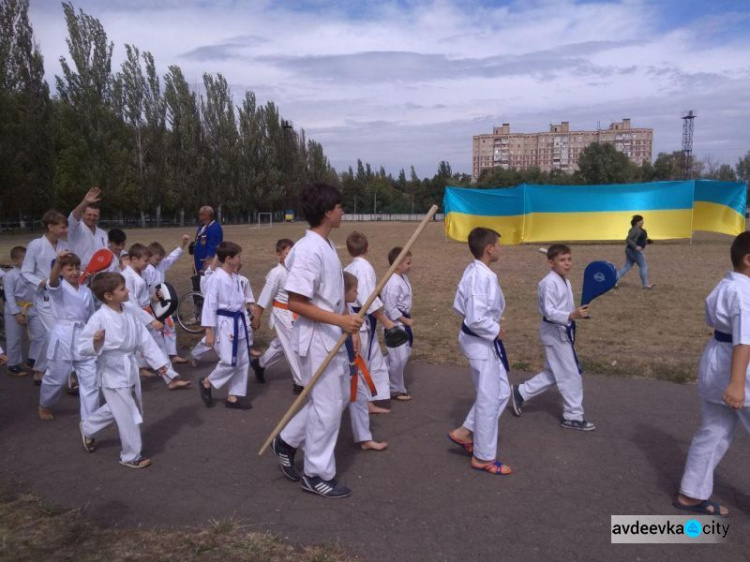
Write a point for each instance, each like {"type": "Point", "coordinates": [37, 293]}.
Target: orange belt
{"type": "Point", "coordinates": [361, 367]}
{"type": "Point", "coordinates": [284, 306]}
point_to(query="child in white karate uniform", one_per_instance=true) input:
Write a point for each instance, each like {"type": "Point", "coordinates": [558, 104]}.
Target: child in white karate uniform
{"type": "Point", "coordinates": [361, 268]}
{"type": "Point", "coordinates": [397, 298]}
{"type": "Point", "coordinates": [20, 317]}
{"type": "Point", "coordinates": [72, 306]}
{"type": "Point", "coordinates": [114, 335]}
{"type": "Point", "coordinates": [723, 383]}
{"type": "Point", "coordinates": [480, 301]}
{"type": "Point", "coordinates": [155, 273]}
{"type": "Point", "coordinates": [201, 348]}
{"type": "Point", "coordinates": [140, 298]}
{"type": "Point", "coordinates": [557, 331]}
{"type": "Point", "coordinates": [358, 408]}
{"type": "Point", "coordinates": [316, 292]}
{"type": "Point", "coordinates": [227, 327]}
{"type": "Point", "coordinates": [37, 264]}
{"type": "Point", "coordinates": [282, 320]}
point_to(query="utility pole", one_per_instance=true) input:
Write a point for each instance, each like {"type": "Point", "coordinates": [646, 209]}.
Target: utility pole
{"type": "Point", "coordinates": [687, 143]}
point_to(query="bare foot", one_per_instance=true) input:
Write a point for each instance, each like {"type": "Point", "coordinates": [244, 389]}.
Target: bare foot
{"type": "Point", "coordinates": [176, 384]}
{"type": "Point", "coordinates": [255, 353]}
{"type": "Point", "coordinates": [177, 360]}
{"type": "Point", "coordinates": [373, 445]}
{"type": "Point", "coordinates": [45, 414]}
{"type": "Point", "coordinates": [373, 409]}
{"type": "Point", "coordinates": [145, 373]}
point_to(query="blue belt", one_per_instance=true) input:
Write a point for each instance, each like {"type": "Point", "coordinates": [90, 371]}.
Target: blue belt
{"type": "Point", "coordinates": [352, 357]}
{"type": "Point", "coordinates": [236, 315]}
{"type": "Point", "coordinates": [570, 330]}
{"type": "Point", "coordinates": [373, 326]}
{"type": "Point", "coordinates": [407, 329]}
{"type": "Point", "coordinates": [723, 337]}
{"type": "Point", "coordinates": [499, 347]}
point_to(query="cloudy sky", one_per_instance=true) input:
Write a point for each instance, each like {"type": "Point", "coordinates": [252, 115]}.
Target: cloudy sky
{"type": "Point", "coordinates": [408, 82]}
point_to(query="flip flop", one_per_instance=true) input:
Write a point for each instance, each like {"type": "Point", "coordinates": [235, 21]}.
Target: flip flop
{"type": "Point", "coordinates": [401, 396]}
{"type": "Point", "coordinates": [140, 462]}
{"type": "Point", "coordinates": [496, 468]}
{"type": "Point", "coordinates": [467, 446]}
{"type": "Point", "coordinates": [701, 508]}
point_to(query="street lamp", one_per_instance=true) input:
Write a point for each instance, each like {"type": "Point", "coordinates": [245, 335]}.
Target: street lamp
{"type": "Point", "coordinates": [286, 126]}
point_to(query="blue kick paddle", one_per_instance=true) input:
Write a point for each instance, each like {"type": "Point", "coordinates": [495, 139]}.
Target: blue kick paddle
{"type": "Point", "coordinates": [598, 278]}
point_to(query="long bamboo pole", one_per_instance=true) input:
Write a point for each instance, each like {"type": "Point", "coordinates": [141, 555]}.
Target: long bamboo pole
{"type": "Point", "coordinates": [331, 354]}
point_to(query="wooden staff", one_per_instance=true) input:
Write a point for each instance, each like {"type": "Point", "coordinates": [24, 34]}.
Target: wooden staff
{"type": "Point", "coordinates": [331, 354]}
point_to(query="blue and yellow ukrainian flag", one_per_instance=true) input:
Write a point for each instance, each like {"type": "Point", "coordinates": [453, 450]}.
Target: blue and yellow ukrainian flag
{"type": "Point", "coordinates": [542, 213]}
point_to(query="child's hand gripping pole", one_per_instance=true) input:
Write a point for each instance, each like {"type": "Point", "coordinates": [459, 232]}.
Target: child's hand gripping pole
{"type": "Point", "coordinates": [331, 354]}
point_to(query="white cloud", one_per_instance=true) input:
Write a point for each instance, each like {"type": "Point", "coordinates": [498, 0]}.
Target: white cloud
{"type": "Point", "coordinates": [404, 83]}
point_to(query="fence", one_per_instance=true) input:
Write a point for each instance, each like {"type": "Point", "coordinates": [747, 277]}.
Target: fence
{"type": "Point", "coordinates": [392, 217]}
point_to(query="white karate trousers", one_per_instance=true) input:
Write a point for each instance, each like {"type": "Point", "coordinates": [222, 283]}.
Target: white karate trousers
{"type": "Point", "coordinates": [121, 408]}
{"type": "Point", "coordinates": [376, 363]}
{"type": "Point", "coordinates": [710, 443]}
{"type": "Point", "coordinates": [15, 334]}
{"type": "Point", "coordinates": [56, 379]}
{"type": "Point", "coordinates": [281, 347]}
{"type": "Point", "coordinates": [224, 372]}
{"type": "Point", "coordinates": [559, 369]}
{"type": "Point", "coordinates": [397, 359]}
{"type": "Point", "coordinates": [493, 391]}
{"type": "Point", "coordinates": [316, 426]}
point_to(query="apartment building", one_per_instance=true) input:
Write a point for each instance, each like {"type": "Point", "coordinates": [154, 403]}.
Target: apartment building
{"type": "Point", "coordinates": [558, 149]}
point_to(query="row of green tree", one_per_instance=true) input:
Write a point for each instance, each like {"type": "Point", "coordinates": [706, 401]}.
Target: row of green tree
{"type": "Point", "coordinates": [150, 142]}
{"type": "Point", "coordinates": [157, 148]}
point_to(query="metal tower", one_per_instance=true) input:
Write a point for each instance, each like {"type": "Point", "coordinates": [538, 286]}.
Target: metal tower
{"type": "Point", "coordinates": [687, 143]}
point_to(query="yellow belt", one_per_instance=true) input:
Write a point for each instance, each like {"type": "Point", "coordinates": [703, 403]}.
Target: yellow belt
{"type": "Point", "coordinates": [24, 306]}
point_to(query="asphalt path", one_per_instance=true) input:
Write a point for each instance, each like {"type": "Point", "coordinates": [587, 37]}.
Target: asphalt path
{"type": "Point", "coordinates": [416, 501]}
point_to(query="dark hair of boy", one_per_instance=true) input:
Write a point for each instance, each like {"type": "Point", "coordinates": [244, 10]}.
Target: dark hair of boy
{"type": "Point", "coordinates": [350, 280]}
{"type": "Point", "coordinates": [157, 249]}
{"type": "Point", "coordinates": [393, 254]}
{"type": "Point", "coordinates": [557, 250]}
{"type": "Point", "coordinates": [106, 282]}
{"type": "Point", "coordinates": [138, 251]}
{"type": "Point", "coordinates": [69, 259]}
{"type": "Point", "coordinates": [283, 244]}
{"type": "Point", "coordinates": [17, 252]}
{"type": "Point", "coordinates": [356, 244]}
{"type": "Point", "coordinates": [635, 219]}
{"type": "Point", "coordinates": [53, 217]}
{"type": "Point", "coordinates": [740, 248]}
{"type": "Point", "coordinates": [227, 250]}
{"type": "Point", "coordinates": [480, 238]}
{"type": "Point", "coordinates": [317, 199]}
{"type": "Point", "coordinates": [116, 236]}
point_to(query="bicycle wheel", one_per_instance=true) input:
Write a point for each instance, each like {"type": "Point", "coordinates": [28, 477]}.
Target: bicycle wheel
{"type": "Point", "coordinates": [189, 307]}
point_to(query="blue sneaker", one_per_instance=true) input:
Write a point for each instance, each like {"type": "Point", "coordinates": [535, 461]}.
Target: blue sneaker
{"type": "Point", "coordinates": [325, 488]}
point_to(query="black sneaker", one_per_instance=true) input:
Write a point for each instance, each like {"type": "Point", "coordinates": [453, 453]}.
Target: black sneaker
{"type": "Point", "coordinates": [580, 425]}
{"type": "Point", "coordinates": [260, 372]}
{"type": "Point", "coordinates": [206, 394]}
{"type": "Point", "coordinates": [238, 405]}
{"type": "Point", "coordinates": [516, 401]}
{"type": "Point", "coordinates": [325, 488]}
{"type": "Point", "coordinates": [285, 453]}
{"type": "Point", "coordinates": [17, 371]}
